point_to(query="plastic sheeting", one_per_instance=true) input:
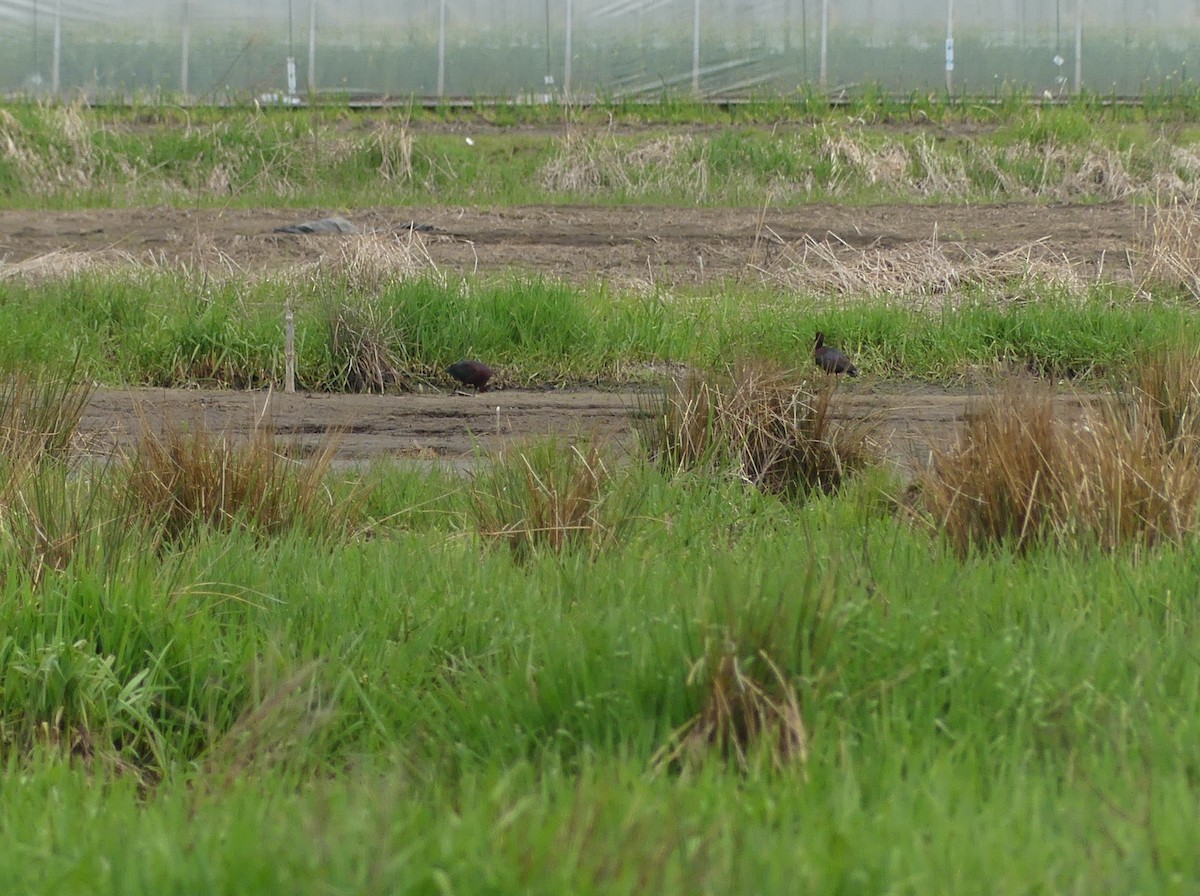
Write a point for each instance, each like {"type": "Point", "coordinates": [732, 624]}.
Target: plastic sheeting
{"type": "Point", "coordinates": [219, 50]}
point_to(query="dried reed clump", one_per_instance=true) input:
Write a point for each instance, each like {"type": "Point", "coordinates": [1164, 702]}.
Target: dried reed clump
{"type": "Point", "coordinates": [394, 144]}
{"type": "Point", "coordinates": [1101, 172]}
{"type": "Point", "coordinates": [184, 480]}
{"type": "Point", "coordinates": [1168, 252]}
{"type": "Point", "coordinates": [367, 263]}
{"type": "Point", "coordinates": [927, 269]}
{"type": "Point", "coordinates": [769, 426]}
{"type": "Point", "coordinates": [1167, 388]}
{"type": "Point", "coordinates": [740, 715]}
{"type": "Point", "coordinates": [586, 164]}
{"type": "Point", "coordinates": [548, 495]}
{"type": "Point", "coordinates": [941, 174]}
{"type": "Point", "coordinates": [853, 162]}
{"type": "Point", "coordinates": [1022, 476]}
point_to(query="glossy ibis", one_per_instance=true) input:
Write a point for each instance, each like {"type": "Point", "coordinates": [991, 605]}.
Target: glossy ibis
{"type": "Point", "coordinates": [471, 373]}
{"type": "Point", "coordinates": [831, 360]}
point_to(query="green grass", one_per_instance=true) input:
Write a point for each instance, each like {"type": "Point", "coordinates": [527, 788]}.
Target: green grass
{"type": "Point", "coordinates": [416, 712]}
{"type": "Point", "coordinates": [166, 329]}
{"type": "Point", "coordinates": [791, 151]}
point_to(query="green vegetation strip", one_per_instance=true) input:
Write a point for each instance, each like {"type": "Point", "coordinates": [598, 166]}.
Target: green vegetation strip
{"type": "Point", "coordinates": [783, 152]}
{"type": "Point", "coordinates": [170, 330]}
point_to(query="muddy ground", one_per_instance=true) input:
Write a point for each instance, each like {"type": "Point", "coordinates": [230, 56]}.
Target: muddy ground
{"type": "Point", "coordinates": [451, 428]}
{"type": "Point", "coordinates": [623, 245]}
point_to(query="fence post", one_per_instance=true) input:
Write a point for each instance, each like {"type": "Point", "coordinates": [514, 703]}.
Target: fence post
{"type": "Point", "coordinates": [949, 47]}
{"type": "Point", "coordinates": [1078, 45]}
{"type": "Point", "coordinates": [289, 348]}
{"type": "Point", "coordinates": [441, 84]}
{"type": "Point", "coordinates": [567, 52]}
{"type": "Point", "coordinates": [187, 40]}
{"type": "Point", "coordinates": [312, 48]}
{"type": "Point", "coordinates": [824, 41]}
{"type": "Point", "coordinates": [696, 47]}
{"type": "Point", "coordinates": [56, 60]}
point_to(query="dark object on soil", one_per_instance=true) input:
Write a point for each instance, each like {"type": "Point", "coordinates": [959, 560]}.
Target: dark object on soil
{"type": "Point", "coordinates": [471, 373]}
{"type": "Point", "coordinates": [831, 360]}
{"type": "Point", "coordinates": [325, 225]}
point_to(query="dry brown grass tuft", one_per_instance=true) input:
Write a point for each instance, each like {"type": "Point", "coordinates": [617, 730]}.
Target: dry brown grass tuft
{"type": "Point", "coordinates": [394, 143]}
{"type": "Point", "coordinates": [769, 426]}
{"type": "Point", "coordinates": [367, 263]}
{"type": "Point", "coordinates": [184, 480]}
{"type": "Point", "coordinates": [1001, 482]}
{"type": "Point", "coordinates": [589, 164]}
{"type": "Point", "coordinates": [1020, 476]}
{"type": "Point", "coordinates": [1167, 387]}
{"type": "Point", "coordinates": [741, 715]}
{"type": "Point", "coordinates": [1168, 255]}
{"type": "Point", "coordinates": [547, 495]}
{"type": "Point", "coordinates": [929, 269]}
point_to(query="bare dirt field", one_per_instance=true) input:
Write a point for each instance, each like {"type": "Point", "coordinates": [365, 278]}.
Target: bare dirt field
{"type": "Point", "coordinates": [625, 244]}
{"type": "Point", "coordinates": [578, 242]}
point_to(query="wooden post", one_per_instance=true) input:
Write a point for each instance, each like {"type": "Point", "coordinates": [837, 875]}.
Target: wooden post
{"type": "Point", "coordinates": [289, 349]}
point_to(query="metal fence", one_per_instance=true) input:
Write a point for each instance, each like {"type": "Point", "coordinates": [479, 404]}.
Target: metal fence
{"type": "Point", "coordinates": [224, 51]}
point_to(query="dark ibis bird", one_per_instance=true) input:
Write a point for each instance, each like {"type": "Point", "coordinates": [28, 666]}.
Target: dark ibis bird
{"type": "Point", "coordinates": [471, 373]}
{"type": "Point", "coordinates": [831, 360]}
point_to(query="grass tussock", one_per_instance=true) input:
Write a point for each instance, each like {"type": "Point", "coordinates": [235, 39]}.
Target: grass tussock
{"type": "Point", "coordinates": [49, 514]}
{"type": "Point", "coordinates": [1167, 387]}
{"type": "Point", "coordinates": [366, 347]}
{"type": "Point", "coordinates": [1168, 256]}
{"type": "Point", "coordinates": [63, 264]}
{"type": "Point", "coordinates": [40, 410]}
{"type": "Point", "coordinates": [1022, 474]}
{"type": "Point", "coordinates": [741, 716]}
{"type": "Point", "coordinates": [548, 496]}
{"type": "Point", "coordinates": [769, 426]}
{"type": "Point", "coordinates": [186, 479]}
